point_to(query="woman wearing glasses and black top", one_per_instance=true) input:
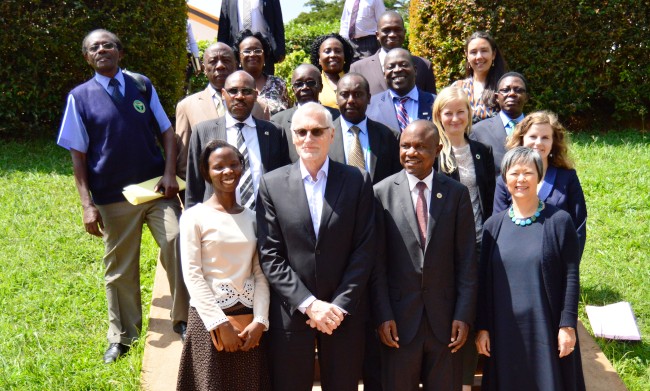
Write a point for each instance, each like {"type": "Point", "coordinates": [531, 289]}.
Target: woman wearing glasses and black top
{"type": "Point", "coordinates": [252, 51]}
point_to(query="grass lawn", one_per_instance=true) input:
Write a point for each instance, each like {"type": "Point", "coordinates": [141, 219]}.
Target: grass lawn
{"type": "Point", "coordinates": [53, 320]}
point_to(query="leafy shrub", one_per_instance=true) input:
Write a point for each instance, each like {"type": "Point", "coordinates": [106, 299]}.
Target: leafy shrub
{"type": "Point", "coordinates": [42, 61]}
{"type": "Point", "coordinates": [584, 59]}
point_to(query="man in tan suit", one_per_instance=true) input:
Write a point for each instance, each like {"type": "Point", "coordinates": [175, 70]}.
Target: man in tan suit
{"type": "Point", "coordinates": [218, 63]}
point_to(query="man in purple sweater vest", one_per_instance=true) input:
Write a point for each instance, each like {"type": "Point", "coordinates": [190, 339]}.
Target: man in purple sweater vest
{"type": "Point", "coordinates": [110, 127]}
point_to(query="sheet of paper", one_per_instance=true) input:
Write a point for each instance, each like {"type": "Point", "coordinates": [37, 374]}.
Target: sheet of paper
{"type": "Point", "coordinates": [143, 192]}
{"type": "Point", "coordinates": [614, 321]}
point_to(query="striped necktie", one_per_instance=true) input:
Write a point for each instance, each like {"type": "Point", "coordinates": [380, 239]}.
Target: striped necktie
{"type": "Point", "coordinates": [355, 154]}
{"type": "Point", "coordinates": [247, 17]}
{"type": "Point", "coordinates": [246, 191]}
{"type": "Point", "coordinates": [402, 114]}
{"type": "Point", "coordinates": [352, 30]}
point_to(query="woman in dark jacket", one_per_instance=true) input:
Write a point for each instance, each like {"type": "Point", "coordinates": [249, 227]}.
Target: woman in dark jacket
{"type": "Point", "coordinates": [560, 185]}
{"type": "Point", "coordinates": [529, 286]}
{"type": "Point", "coordinates": [471, 163]}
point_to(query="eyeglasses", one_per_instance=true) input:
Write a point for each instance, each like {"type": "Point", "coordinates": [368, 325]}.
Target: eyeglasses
{"type": "Point", "coordinates": [243, 91]}
{"type": "Point", "coordinates": [316, 132]}
{"type": "Point", "coordinates": [248, 52]}
{"type": "Point", "coordinates": [517, 90]}
{"type": "Point", "coordinates": [106, 45]}
{"type": "Point", "coordinates": [300, 84]}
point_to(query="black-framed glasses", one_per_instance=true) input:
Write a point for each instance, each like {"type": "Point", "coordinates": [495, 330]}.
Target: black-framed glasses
{"type": "Point", "coordinates": [249, 52]}
{"type": "Point", "coordinates": [517, 90]}
{"type": "Point", "coordinates": [309, 83]}
{"type": "Point", "coordinates": [243, 91]}
{"type": "Point", "coordinates": [106, 45]}
{"type": "Point", "coordinates": [316, 132]}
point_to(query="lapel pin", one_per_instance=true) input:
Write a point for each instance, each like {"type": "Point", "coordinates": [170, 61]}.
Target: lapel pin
{"type": "Point", "coordinates": [478, 157]}
{"type": "Point", "coordinates": [439, 195]}
{"type": "Point", "coordinates": [266, 133]}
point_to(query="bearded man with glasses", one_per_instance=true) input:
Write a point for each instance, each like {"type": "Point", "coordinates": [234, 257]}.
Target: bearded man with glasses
{"type": "Point", "coordinates": [263, 144]}
{"type": "Point", "coordinates": [315, 236]}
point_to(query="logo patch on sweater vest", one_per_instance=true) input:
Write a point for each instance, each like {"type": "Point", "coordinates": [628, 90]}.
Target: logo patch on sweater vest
{"type": "Point", "coordinates": [139, 106]}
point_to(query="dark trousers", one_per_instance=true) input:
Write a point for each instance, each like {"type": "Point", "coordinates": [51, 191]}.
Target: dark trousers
{"type": "Point", "coordinates": [340, 356]}
{"type": "Point", "coordinates": [424, 360]}
{"type": "Point", "coordinates": [365, 46]}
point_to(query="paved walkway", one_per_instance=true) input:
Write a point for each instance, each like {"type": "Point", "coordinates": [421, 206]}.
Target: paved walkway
{"type": "Point", "coordinates": [163, 349]}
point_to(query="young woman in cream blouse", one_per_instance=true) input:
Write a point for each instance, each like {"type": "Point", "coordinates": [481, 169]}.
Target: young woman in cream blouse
{"type": "Point", "coordinates": [223, 276]}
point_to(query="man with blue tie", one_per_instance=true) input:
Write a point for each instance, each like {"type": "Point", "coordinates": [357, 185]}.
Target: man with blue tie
{"type": "Point", "coordinates": [403, 102]}
{"type": "Point", "coordinates": [110, 127]}
{"type": "Point", "coordinates": [511, 95]}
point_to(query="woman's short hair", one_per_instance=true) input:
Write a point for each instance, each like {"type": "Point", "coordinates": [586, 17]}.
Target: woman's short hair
{"type": "Point", "coordinates": [559, 155]}
{"type": "Point", "coordinates": [497, 69]}
{"type": "Point", "coordinates": [266, 46]}
{"type": "Point", "coordinates": [522, 155]}
{"type": "Point", "coordinates": [204, 158]}
{"type": "Point", "coordinates": [448, 95]}
{"type": "Point", "coordinates": [348, 50]}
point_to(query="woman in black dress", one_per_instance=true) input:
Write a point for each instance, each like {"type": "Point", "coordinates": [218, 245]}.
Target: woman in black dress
{"type": "Point", "coordinates": [529, 288]}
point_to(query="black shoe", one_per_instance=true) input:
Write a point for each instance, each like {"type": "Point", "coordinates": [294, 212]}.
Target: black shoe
{"type": "Point", "coordinates": [181, 328]}
{"type": "Point", "coordinates": [115, 351]}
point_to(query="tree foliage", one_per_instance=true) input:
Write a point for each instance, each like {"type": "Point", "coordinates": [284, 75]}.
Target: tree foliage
{"type": "Point", "coordinates": [42, 60]}
{"type": "Point", "coordinates": [587, 59]}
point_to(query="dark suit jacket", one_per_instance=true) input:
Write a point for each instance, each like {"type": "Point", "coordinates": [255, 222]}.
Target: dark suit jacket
{"type": "Point", "coordinates": [382, 109]}
{"type": "Point", "coordinates": [370, 68]}
{"type": "Point", "coordinates": [283, 120]}
{"type": "Point", "coordinates": [334, 266]}
{"type": "Point", "coordinates": [561, 188]}
{"type": "Point", "coordinates": [484, 171]}
{"type": "Point", "coordinates": [491, 132]}
{"type": "Point", "coordinates": [229, 25]}
{"type": "Point", "coordinates": [384, 149]}
{"type": "Point", "coordinates": [273, 148]}
{"type": "Point", "coordinates": [439, 283]}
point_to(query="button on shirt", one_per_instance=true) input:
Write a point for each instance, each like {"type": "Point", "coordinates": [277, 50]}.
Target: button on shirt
{"type": "Point", "coordinates": [73, 134]}
{"type": "Point", "coordinates": [249, 132]}
{"type": "Point", "coordinates": [367, 18]}
{"type": "Point", "coordinates": [413, 181]}
{"type": "Point", "coordinates": [348, 136]}
{"type": "Point", "coordinates": [411, 105]}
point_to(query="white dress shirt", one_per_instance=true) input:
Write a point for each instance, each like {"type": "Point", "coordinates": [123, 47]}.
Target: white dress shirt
{"type": "Point", "coordinates": [73, 134]}
{"type": "Point", "coordinates": [413, 181]}
{"type": "Point", "coordinates": [367, 18]}
{"type": "Point", "coordinates": [252, 144]}
{"type": "Point", "coordinates": [348, 137]}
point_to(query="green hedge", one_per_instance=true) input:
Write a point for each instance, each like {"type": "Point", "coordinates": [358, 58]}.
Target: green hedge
{"type": "Point", "coordinates": [42, 60]}
{"type": "Point", "coordinates": [588, 60]}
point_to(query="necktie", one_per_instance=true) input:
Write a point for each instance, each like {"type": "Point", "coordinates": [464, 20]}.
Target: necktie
{"type": "Point", "coordinates": [421, 213]}
{"type": "Point", "coordinates": [247, 17]}
{"type": "Point", "coordinates": [402, 114]}
{"type": "Point", "coordinates": [353, 19]}
{"type": "Point", "coordinates": [246, 181]}
{"type": "Point", "coordinates": [510, 126]}
{"type": "Point", "coordinates": [355, 154]}
{"type": "Point", "coordinates": [116, 94]}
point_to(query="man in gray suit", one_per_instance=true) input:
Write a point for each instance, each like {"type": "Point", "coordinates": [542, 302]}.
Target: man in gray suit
{"type": "Point", "coordinates": [307, 84]}
{"type": "Point", "coordinates": [512, 95]}
{"type": "Point", "coordinates": [403, 102]}
{"type": "Point", "coordinates": [424, 291]}
{"type": "Point", "coordinates": [358, 140]}
{"type": "Point", "coordinates": [263, 144]}
{"type": "Point", "coordinates": [391, 34]}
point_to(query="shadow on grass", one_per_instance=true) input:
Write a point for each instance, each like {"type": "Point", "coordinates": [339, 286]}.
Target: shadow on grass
{"type": "Point", "coordinates": [39, 155]}
{"type": "Point", "coordinates": [599, 295]}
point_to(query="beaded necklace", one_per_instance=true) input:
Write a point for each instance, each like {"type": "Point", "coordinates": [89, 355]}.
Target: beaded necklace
{"type": "Point", "coordinates": [525, 221]}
